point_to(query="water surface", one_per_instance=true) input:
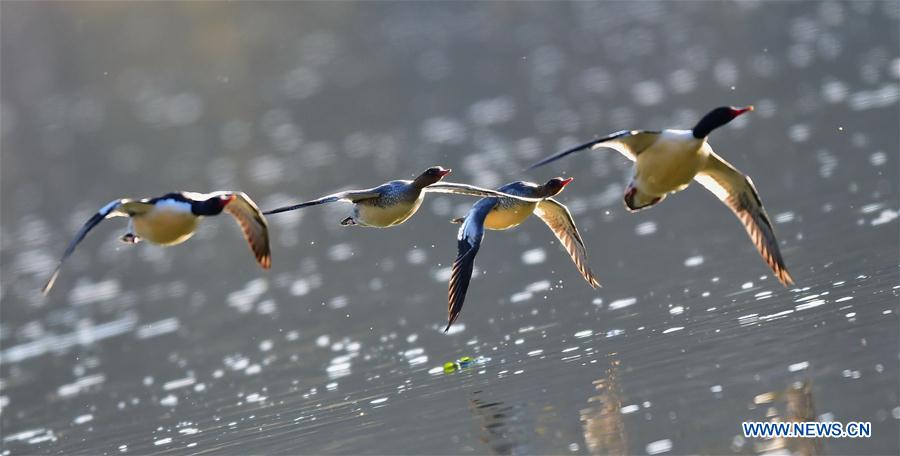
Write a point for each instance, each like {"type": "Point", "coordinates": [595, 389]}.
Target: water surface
{"type": "Point", "coordinates": [338, 348]}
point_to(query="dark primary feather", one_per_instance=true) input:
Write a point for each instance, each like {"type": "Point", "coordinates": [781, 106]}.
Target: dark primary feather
{"type": "Point", "coordinates": [587, 145]}
{"type": "Point", "coordinates": [102, 214]}
{"type": "Point", "coordinates": [460, 277]}
{"type": "Point", "coordinates": [469, 240]}
{"type": "Point", "coordinates": [352, 196]}
{"type": "Point", "coordinates": [322, 200]}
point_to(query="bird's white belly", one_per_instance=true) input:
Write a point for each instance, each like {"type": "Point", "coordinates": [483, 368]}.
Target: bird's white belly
{"type": "Point", "coordinates": [504, 218]}
{"type": "Point", "coordinates": [165, 227]}
{"type": "Point", "coordinates": [385, 216]}
{"type": "Point", "coordinates": [669, 167]}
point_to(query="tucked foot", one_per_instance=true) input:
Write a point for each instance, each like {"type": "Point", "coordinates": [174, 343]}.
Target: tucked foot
{"type": "Point", "coordinates": [348, 222]}
{"type": "Point", "coordinates": [130, 238]}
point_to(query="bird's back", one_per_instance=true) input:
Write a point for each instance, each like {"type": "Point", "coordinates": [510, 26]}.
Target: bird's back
{"type": "Point", "coordinates": [396, 203]}
{"type": "Point", "coordinates": [511, 212]}
{"type": "Point", "coordinates": [394, 192]}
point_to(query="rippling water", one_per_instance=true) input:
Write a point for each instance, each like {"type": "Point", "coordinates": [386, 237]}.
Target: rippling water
{"type": "Point", "coordinates": [339, 348]}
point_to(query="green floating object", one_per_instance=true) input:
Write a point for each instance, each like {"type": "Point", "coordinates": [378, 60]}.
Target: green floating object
{"type": "Point", "coordinates": [463, 363]}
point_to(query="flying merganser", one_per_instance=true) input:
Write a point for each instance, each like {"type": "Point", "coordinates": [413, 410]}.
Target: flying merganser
{"type": "Point", "coordinates": [173, 218]}
{"type": "Point", "coordinates": [394, 202]}
{"type": "Point", "coordinates": [667, 161]}
{"type": "Point", "coordinates": [504, 213]}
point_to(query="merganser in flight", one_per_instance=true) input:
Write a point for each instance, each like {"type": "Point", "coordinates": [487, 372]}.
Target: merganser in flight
{"type": "Point", "coordinates": [666, 162]}
{"type": "Point", "coordinates": [394, 202]}
{"type": "Point", "coordinates": [505, 213]}
{"type": "Point", "coordinates": [173, 218]}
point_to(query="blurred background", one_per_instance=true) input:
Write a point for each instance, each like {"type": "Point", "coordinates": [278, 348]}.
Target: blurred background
{"type": "Point", "coordinates": [338, 348]}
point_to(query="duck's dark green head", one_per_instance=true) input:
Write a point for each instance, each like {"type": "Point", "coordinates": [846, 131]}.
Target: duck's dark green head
{"type": "Point", "coordinates": [716, 118]}
{"type": "Point", "coordinates": [432, 175]}
{"type": "Point", "coordinates": [556, 185]}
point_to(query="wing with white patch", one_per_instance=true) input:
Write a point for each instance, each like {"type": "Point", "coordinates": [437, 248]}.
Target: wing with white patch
{"type": "Point", "coordinates": [187, 196]}
{"type": "Point", "coordinates": [632, 144]}
{"type": "Point", "coordinates": [471, 190]}
{"type": "Point", "coordinates": [629, 143]}
{"type": "Point", "coordinates": [115, 208]}
{"type": "Point", "coordinates": [558, 218]}
{"type": "Point", "coordinates": [351, 196]}
{"type": "Point", "coordinates": [738, 192]}
{"type": "Point", "coordinates": [253, 224]}
{"type": "Point", "coordinates": [468, 242]}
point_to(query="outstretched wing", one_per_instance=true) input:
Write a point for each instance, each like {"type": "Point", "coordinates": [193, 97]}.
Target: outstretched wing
{"type": "Point", "coordinates": [468, 242]}
{"type": "Point", "coordinates": [738, 192]}
{"type": "Point", "coordinates": [114, 208]}
{"type": "Point", "coordinates": [471, 190]}
{"type": "Point", "coordinates": [628, 143]}
{"type": "Point", "coordinates": [351, 196]}
{"type": "Point", "coordinates": [560, 221]}
{"type": "Point", "coordinates": [253, 224]}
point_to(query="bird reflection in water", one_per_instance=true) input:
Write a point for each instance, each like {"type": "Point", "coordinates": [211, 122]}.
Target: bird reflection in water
{"type": "Point", "coordinates": [604, 430]}
{"type": "Point", "coordinates": [501, 427]}
{"type": "Point", "coordinates": [792, 404]}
